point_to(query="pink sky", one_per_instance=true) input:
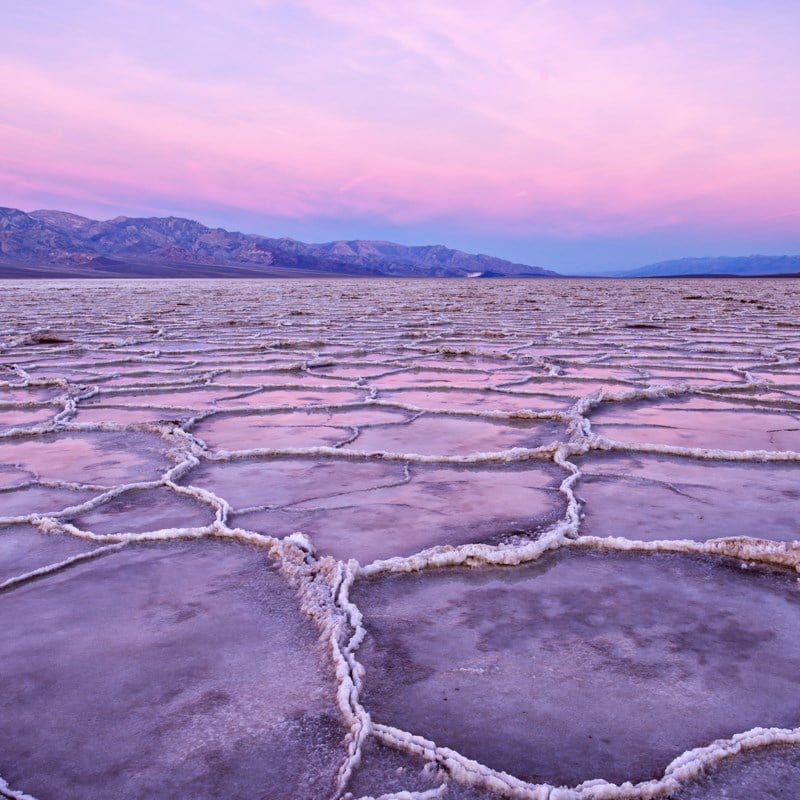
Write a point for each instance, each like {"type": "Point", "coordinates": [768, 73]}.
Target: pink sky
{"type": "Point", "coordinates": [471, 123]}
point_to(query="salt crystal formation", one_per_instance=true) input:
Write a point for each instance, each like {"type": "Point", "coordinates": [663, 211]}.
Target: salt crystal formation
{"type": "Point", "coordinates": [400, 539]}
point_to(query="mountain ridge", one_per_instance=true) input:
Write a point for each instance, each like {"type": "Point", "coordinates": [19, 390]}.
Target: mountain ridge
{"type": "Point", "coordinates": [46, 241]}
{"type": "Point", "coordinates": [718, 266]}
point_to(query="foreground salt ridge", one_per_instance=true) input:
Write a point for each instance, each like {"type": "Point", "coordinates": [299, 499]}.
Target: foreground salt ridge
{"type": "Point", "coordinates": [324, 584]}
{"type": "Point", "coordinates": [686, 767]}
{"type": "Point", "coordinates": [7, 792]}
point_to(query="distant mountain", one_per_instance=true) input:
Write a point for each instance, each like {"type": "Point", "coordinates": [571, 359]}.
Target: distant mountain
{"type": "Point", "coordinates": [722, 265]}
{"type": "Point", "coordinates": [59, 244]}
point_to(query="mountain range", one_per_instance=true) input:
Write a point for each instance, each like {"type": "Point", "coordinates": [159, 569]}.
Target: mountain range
{"type": "Point", "coordinates": [60, 244]}
{"type": "Point", "coordinates": [57, 244]}
{"type": "Point", "coordinates": [742, 266]}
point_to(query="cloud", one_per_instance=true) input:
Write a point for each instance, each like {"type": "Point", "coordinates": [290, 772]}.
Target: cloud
{"type": "Point", "coordinates": [650, 113]}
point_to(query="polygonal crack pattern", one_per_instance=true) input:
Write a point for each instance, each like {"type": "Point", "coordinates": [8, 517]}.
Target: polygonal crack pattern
{"type": "Point", "coordinates": [400, 539]}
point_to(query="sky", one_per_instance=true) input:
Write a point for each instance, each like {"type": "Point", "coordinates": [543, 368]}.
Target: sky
{"type": "Point", "coordinates": [579, 135]}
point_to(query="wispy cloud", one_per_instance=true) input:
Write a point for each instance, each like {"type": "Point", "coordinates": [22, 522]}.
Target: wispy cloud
{"type": "Point", "coordinates": [576, 117]}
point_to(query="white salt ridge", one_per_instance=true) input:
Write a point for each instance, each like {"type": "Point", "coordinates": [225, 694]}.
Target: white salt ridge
{"type": "Point", "coordinates": [704, 453]}
{"type": "Point", "coordinates": [743, 548]}
{"type": "Point", "coordinates": [323, 583]}
{"type": "Point", "coordinates": [430, 794]}
{"type": "Point", "coordinates": [510, 456]}
{"type": "Point", "coordinates": [7, 792]}
{"type": "Point", "coordinates": [26, 577]}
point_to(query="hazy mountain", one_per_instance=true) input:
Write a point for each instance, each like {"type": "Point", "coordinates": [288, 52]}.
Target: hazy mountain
{"type": "Point", "coordinates": [722, 265]}
{"type": "Point", "coordinates": [62, 244]}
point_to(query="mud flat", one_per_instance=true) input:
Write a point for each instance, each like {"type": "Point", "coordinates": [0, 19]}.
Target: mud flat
{"type": "Point", "coordinates": [400, 539]}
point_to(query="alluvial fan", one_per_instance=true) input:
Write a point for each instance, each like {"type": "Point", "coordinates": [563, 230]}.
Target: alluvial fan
{"type": "Point", "coordinates": [400, 539]}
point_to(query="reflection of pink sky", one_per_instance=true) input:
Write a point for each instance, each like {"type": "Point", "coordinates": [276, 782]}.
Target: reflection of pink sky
{"type": "Point", "coordinates": [572, 117]}
{"type": "Point", "coordinates": [723, 427]}
{"type": "Point", "coordinates": [96, 458]}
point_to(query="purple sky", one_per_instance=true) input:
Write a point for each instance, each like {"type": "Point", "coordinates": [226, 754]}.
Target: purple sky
{"type": "Point", "coordinates": [573, 134]}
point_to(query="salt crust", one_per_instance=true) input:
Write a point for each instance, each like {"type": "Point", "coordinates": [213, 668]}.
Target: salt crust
{"type": "Point", "coordinates": [323, 584]}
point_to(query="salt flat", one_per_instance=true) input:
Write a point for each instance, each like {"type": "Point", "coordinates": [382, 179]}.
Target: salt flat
{"type": "Point", "coordinates": [411, 539]}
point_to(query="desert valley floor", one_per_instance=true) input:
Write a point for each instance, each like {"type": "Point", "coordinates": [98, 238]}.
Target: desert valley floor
{"type": "Point", "coordinates": [286, 540]}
